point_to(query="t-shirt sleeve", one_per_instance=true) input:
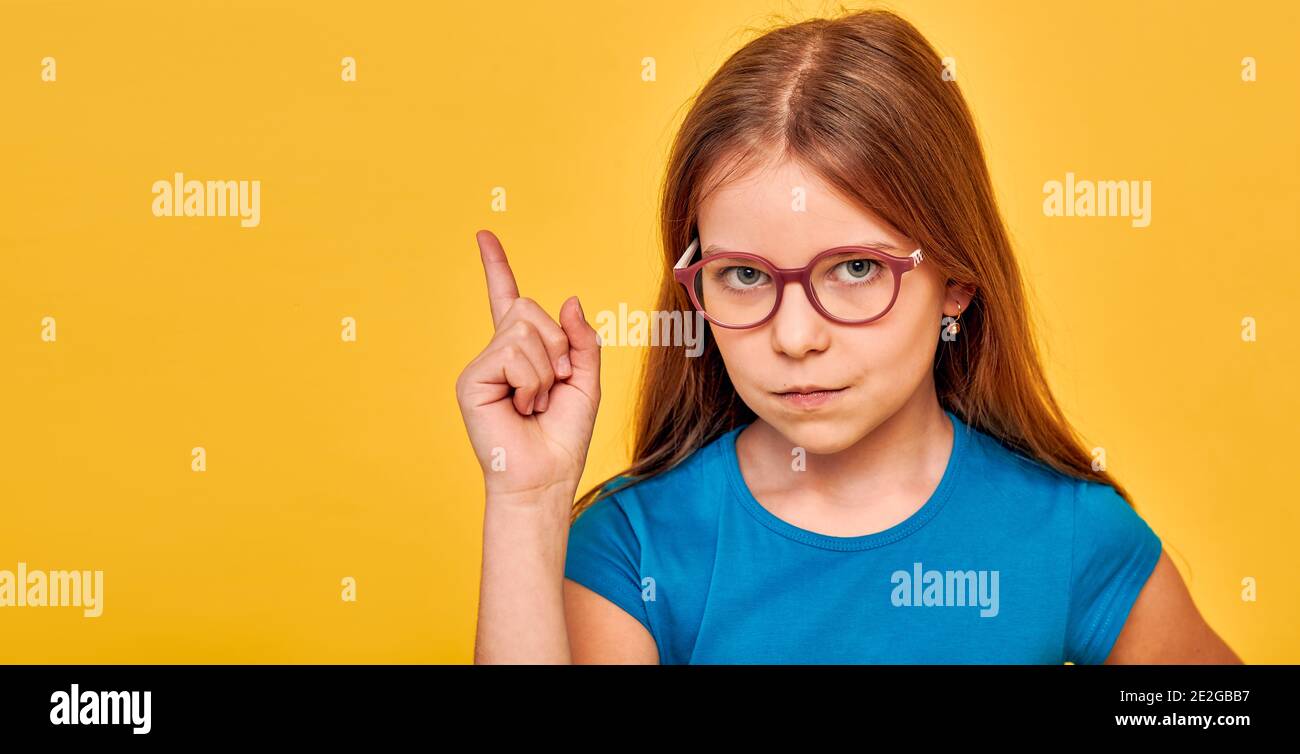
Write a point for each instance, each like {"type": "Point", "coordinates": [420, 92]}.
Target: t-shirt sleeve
{"type": "Point", "coordinates": [604, 555]}
{"type": "Point", "coordinates": [1114, 553]}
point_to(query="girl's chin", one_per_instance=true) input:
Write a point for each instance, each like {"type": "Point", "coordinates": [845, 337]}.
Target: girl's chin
{"type": "Point", "coordinates": [817, 435]}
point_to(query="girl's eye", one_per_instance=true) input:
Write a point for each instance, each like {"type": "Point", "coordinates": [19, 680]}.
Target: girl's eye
{"type": "Point", "coordinates": [855, 271]}
{"type": "Point", "coordinates": [743, 277]}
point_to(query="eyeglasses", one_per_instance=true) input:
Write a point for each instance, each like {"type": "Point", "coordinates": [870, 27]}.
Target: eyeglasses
{"type": "Point", "coordinates": [852, 285]}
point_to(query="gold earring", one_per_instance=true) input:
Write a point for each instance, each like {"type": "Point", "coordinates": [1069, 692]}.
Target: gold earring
{"type": "Point", "coordinates": [954, 327]}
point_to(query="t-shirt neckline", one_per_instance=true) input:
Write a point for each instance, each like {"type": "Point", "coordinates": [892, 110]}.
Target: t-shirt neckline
{"type": "Point", "coordinates": [919, 518]}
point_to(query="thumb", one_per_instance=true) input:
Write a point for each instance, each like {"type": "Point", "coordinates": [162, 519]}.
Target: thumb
{"type": "Point", "coordinates": [584, 348]}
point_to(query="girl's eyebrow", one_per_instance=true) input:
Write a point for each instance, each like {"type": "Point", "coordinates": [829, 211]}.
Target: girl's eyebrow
{"type": "Point", "coordinates": [714, 248]}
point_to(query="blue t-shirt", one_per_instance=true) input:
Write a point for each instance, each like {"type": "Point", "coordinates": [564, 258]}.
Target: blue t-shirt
{"type": "Point", "coordinates": [1009, 561]}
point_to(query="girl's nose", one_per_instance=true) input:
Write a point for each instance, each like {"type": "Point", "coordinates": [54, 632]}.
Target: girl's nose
{"type": "Point", "coordinates": [798, 328]}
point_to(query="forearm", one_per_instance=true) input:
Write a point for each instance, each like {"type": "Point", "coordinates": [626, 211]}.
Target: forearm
{"type": "Point", "coordinates": [521, 596]}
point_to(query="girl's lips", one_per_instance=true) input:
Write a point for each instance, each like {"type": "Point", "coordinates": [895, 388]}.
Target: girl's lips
{"type": "Point", "coordinates": [810, 399]}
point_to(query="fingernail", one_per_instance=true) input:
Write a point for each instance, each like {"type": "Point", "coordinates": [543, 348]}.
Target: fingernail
{"type": "Point", "coordinates": [542, 401]}
{"type": "Point", "coordinates": [531, 404]}
{"type": "Point", "coordinates": [578, 301]}
{"type": "Point", "coordinates": [563, 367]}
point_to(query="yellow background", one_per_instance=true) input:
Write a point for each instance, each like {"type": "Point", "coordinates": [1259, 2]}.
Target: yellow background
{"type": "Point", "coordinates": [329, 459]}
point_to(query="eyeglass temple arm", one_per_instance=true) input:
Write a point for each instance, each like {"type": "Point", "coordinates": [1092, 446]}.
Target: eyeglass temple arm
{"type": "Point", "coordinates": [686, 257]}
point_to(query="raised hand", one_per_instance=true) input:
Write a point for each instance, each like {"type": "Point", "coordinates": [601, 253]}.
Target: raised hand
{"type": "Point", "coordinates": [529, 400]}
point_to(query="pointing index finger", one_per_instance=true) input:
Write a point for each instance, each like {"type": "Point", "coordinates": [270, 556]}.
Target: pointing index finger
{"type": "Point", "coordinates": [502, 290]}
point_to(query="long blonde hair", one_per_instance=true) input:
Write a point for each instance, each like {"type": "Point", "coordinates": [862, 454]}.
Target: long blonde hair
{"type": "Point", "coordinates": [860, 101]}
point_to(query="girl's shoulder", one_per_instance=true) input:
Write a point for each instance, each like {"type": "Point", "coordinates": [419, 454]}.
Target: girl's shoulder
{"type": "Point", "coordinates": [612, 539]}
{"type": "Point", "coordinates": [1005, 487]}
{"type": "Point", "coordinates": [995, 464]}
{"type": "Point", "coordinates": [1095, 513]}
{"type": "Point", "coordinates": [691, 489]}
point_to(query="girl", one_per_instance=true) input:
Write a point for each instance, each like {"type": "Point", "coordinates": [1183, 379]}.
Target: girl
{"type": "Point", "coordinates": [866, 464]}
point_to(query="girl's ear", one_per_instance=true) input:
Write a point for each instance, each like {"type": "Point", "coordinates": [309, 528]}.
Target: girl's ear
{"type": "Point", "coordinates": [960, 294]}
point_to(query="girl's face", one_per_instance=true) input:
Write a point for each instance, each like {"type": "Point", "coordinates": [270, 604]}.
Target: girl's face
{"type": "Point", "coordinates": [788, 215]}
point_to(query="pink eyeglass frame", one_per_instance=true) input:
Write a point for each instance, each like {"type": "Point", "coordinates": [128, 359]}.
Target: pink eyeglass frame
{"type": "Point", "coordinates": [685, 274]}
